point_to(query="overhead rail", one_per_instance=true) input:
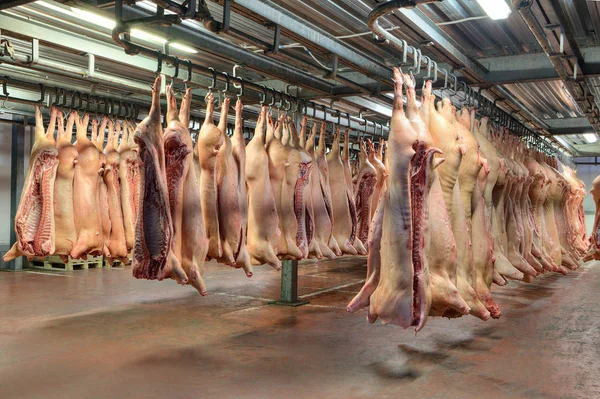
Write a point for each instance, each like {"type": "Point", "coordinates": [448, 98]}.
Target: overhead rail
{"type": "Point", "coordinates": [531, 138]}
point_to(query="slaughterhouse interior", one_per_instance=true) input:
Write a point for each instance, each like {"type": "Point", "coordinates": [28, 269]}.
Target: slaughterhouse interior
{"type": "Point", "coordinates": [299, 198]}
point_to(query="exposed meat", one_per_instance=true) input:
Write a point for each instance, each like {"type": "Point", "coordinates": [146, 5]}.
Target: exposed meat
{"type": "Point", "coordinates": [86, 182]}
{"type": "Point", "coordinates": [440, 245]}
{"type": "Point", "coordinates": [34, 220]}
{"type": "Point", "coordinates": [366, 179]}
{"type": "Point", "coordinates": [117, 246]}
{"type": "Point", "coordinates": [326, 187]}
{"type": "Point", "coordinates": [128, 179]}
{"type": "Point", "coordinates": [65, 233]}
{"type": "Point", "coordinates": [153, 256]}
{"type": "Point", "coordinates": [102, 190]}
{"type": "Point", "coordinates": [263, 221]}
{"type": "Point", "coordinates": [319, 212]}
{"type": "Point", "coordinates": [283, 172]}
{"type": "Point", "coordinates": [344, 213]}
{"type": "Point", "coordinates": [232, 197]}
{"type": "Point", "coordinates": [189, 235]}
{"type": "Point", "coordinates": [402, 296]}
{"type": "Point", "coordinates": [362, 299]}
{"type": "Point", "coordinates": [594, 250]}
{"type": "Point", "coordinates": [210, 139]}
{"type": "Point", "coordinates": [302, 189]}
{"type": "Point", "coordinates": [376, 159]}
{"type": "Point", "coordinates": [354, 240]}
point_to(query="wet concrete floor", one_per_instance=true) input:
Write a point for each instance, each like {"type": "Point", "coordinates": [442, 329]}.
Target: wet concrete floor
{"type": "Point", "coordinates": [103, 334]}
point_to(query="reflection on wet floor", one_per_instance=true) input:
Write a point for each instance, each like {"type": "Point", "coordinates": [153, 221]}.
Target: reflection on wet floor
{"type": "Point", "coordinates": [103, 330]}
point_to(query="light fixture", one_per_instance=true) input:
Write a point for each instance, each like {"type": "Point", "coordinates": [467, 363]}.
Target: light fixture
{"type": "Point", "coordinates": [108, 23]}
{"type": "Point", "coordinates": [590, 137]}
{"type": "Point", "coordinates": [93, 18]}
{"type": "Point", "coordinates": [495, 9]}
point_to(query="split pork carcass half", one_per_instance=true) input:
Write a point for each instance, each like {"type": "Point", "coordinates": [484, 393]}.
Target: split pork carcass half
{"type": "Point", "coordinates": [366, 179]}
{"type": "Point", "coordinates": [594, 250]}
{"type": "Point", "coordinates": [153, 252]}
{"type": "Point", "coordinates": [342, 204]}
{"type": "Point", "coordinates": [298, 165]}
{"type": "Point", "coordinates": [322, 164]}
{"type": "Point", "coordinates": [98, 134]}
{"type": "Point", "coordinates": [376, 159]}
{"type": "Point", "coordinates": [65, 233]}
{"type": "Point", "coordinates": [128, 179]}
{"type": "Point", "coordinates": [440, 244]}
{"type": "Point", "coordinates": [34, 221]}
{"type": "Point", "coordinates": [443, 127]}
{"type": "Point", "coordinates": [210, 139]}
{"type": "Point", "coordinates": [263, 222]}
{"type": "Point", "coordinates": [303, 200]}
{"type": "Point", "coordinates": [232, 196]}
{"type": "Point", "coordinates": [402, 295]}
{"type": "Point", "coordinates": [322, 240]}
{"type": "Point", "coordinates": [190, 244]}
{"type": "Point", "coordinates": [495, 162]}
{"type": "Point", "coordinates": [283, 172]}
{"type": "Point", "coordinates": [357, 242]}
{"type": "Point", "coordinates": [86, 182]}
{"type": "Point", "coordinates": [117, 245]}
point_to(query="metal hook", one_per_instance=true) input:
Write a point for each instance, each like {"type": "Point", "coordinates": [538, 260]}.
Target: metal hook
{"type": "Point", "coordinates": [214, 81]}
{"type": "Point", "coordinates": [42, 93]}
{"type": "Point", "coordinates": [4, 85]}
{"type": "Point", "coordinates": [289, 103]}
{"type": "Point", "coordinates": [159, 58]}
{"type": "Point", "coordinates": [241, 93]}
{"type": "Point", "coordinates": [189, 72]}
{"type": "Point", "coordinates": [264, 96]}
{"type": "Point", "coordinates": [176, 74]}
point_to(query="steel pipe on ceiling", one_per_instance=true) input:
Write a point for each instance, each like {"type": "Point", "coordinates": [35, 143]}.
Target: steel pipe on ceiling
{"type": "Point", "coordinates": [390, 6]}
{"type": "Point", "coordinates": [560, 62]}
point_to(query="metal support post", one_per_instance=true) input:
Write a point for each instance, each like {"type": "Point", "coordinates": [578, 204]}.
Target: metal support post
{"type": "Point", "coordinates": [17, 177]}
{"type": "Point", "coordinates": [289, 285]}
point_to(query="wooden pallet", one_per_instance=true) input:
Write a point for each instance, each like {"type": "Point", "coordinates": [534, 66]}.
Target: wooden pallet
{"type": "Point", "coordinates": [116, 263]}
{"type": "Point", "coordinates": [56, 263]}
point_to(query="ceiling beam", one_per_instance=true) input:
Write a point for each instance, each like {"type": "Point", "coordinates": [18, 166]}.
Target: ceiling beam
{"type": "Point", "coordinates": [532, 67]}
{"type": "Point", "coordinates": [567, 126]}
{"type": "Point", "coordinates": [420, 22]}
{"type": "Point", "coordinates": [5, 5]}
{"type": "Point", "coordinates": [304, 29]}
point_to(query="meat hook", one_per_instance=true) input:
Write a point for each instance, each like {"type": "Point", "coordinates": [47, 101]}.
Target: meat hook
{"type": "Point", "coordinates": [159, 58]}
{"type": "Point", "coordinates": [263, 98]}
{"type": "Point", "coordinates": [241, 93]}
{"type": "Point", "coordinates": [188, 80]}
{"type": "Point", "coordinates": [214, 82]}
{"type": "Point", "coordinates": [176, 74]}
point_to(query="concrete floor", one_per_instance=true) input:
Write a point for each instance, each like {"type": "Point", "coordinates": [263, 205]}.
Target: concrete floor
{"type": "Point", "coordinates": [104, 334]}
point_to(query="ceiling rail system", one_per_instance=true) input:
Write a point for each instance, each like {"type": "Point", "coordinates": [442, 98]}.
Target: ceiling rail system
{"type": "Point", "coordinates": [532, 138]}
{"type": "Point", "coordinates": [328, 114]}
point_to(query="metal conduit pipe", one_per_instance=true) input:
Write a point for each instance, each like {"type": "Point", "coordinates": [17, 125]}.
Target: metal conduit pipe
{"type": "Point", "coordinates": [218, 28]}
{"type": "Point", "coordinates": [72, 72]}
{"type": "Point", "coordinates": [385, 8]}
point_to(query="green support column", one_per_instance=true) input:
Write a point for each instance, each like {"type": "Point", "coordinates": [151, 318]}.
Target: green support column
{"type": "Point", "coordinates": [289, 285]}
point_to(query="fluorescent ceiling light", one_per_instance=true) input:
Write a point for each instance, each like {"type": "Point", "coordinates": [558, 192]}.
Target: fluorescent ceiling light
{"type": "Point", "coordinates": [562, 141]}
{"type": "Point", "coordinates": [93, 18]}
{"type": "Point", "coordinates": [108, 23]}
{"type": "Point", "coordinates": [495, 9]}
{"type": "Point", "coordinates": [590, 137]}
